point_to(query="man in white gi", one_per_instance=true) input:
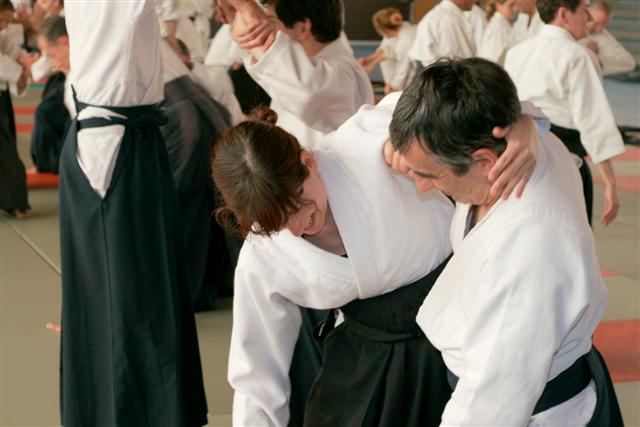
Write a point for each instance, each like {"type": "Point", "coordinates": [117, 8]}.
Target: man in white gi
{"type": "Point", "coordinates": [314, 82]}
{"type": "Point", "coordinates": [563, 79]}
{"type": "Point", "coordinates": [613, 57]}
{"type": "Point", "coordinates": [129, 352]}
{"type": "Point", "coordinates": [514, 310]}
{"type": "Point", "coordinates": [444, 31]}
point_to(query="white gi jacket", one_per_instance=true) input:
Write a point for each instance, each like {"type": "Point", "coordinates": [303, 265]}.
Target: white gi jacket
{"type": "Point", "coordinates": [181, 11]}
{"type": "Point", "coordinates": [498, 38]}
{"type": "Point", "coordinates": [397, 68]}
{"type": "Point", "coordinates": [312, 96]}
{"type": "Point", "coordinates": [519, 300]}
{"type": "Point", "coordinates": [613, 57]}
{"type": "Point", "coordinates": [477, 17]}
{"type": "Point", "coordinates": [562, 78]}
{"type": "Point", "coordinates": [392, 235]}
{"type": "Point", "coordinates": [127, 72]}
{"type": "Point", "coordinates": [223, 49]}
{"type": "Point", "coordinates": [443, 31]}
{"type": "Point", "coordinates": [10, 69]}
{"type": "Point", "coordinates": [525, 29]}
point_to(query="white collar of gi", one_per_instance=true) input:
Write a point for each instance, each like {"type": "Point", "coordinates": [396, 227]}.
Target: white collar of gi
{"type": "Point", "coordinates": [333, 49]}
{"type": "Point", "coordinates": [555, 32]}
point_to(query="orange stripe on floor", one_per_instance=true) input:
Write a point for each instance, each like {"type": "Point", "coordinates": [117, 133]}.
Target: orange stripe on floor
{"type": "Point", "coordinates": [24, 127]}
{"type": "Point", "coordinates": [41, 180]}
{"type": "Point", "coordinates": [607, 273]}
{"type": "Point", "coordinates": [631, 153]}
{"type": "Point", "coordinates": [625, 183]}
{"type": "Point", "coordinates": [24, 111]}
{"type": "Point", "coordinates": [619, 343]}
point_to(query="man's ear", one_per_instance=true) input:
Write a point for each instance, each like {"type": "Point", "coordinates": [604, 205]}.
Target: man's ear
{"type": "Point", "coordinates": [485, 159]}
{"type": "Point", "coordinates": [63, 40]}
{"type": "Point", "coordinates": [302, 30]}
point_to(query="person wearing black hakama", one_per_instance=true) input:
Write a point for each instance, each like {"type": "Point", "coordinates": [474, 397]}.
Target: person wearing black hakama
{"type": "Point", "coordinates": [49, 125]}
{"type": "Point", "coordinates": [129, 347]}
{"type": "Point", "coordinates": [195, 123]}
{"type": "Point", "coordinates": [13, 191]}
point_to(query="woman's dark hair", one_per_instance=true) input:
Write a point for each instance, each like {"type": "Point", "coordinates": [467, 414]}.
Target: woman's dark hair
{"type": "Point", "coordinates": [258, 172]}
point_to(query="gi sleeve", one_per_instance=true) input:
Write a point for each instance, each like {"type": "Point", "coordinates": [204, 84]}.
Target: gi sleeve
{"type": "Point", "coordinates": [304, 86]}
{"type": "Point", "coordinates": [520, 312]}
{"type": "Point", "coordinates": [265, 329]}
{"type": "Point", "coordinates": [591, 111]}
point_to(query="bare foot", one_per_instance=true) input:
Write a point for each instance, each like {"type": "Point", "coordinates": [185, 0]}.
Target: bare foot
{"type": "Point", "coordinates": [23, 213]}
{"type": "Point", "coordinates": [54, 327]}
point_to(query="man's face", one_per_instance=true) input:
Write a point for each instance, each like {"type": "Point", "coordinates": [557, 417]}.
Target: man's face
{"type": "Point", "coordinates": [5, 18]}
{"type": "Point", "coordinates": [576, 22]}
{"type": "Point", "coordinates": [600, 20]}
{"type": "Point", "coordinates": [429, 172]}
{"type": "Point", "coordinates": [58, 52]}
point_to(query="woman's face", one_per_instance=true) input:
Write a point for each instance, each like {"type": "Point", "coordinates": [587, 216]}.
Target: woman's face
{"type": "Point", "coordinates": [310, 218]}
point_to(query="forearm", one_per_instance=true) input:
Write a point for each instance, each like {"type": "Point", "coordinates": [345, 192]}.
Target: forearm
{"type": "Point", "coordinates": [606, 171]}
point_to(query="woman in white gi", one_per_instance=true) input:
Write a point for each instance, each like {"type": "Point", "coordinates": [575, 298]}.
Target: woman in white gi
{"type": "Point", "coordinates": [514, 310]}
{"type": "Point", "coordinates": [499, 35]}
{"type": "Point", "coordinates": [324, 229]}
{"type": "Point", "coordinates": [393, 53]}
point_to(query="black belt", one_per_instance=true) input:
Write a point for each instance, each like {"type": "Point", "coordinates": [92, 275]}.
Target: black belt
{"type": "Point", "coordinates": [571, 139]}
{"type": "Point", "coordinates": [388, 317]}
{"type": "Point", "coordinates": [140, 116]}
{"type": "Point", "coordinates": [568, 384]}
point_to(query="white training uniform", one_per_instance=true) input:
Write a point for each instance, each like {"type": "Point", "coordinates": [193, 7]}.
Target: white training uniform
{"type": "Point", "coordinates": [223, 49]}
{"type": "Point", "coordinates": [518, 302]}
{"type": "Point", "coordinates": [613, 57]}
{"type": "Point", "coordinates": [443, 31]}
{"type": "Point", "coordinates": [524, 28]}
{"type": "Point", "coordinates": [397, 68]}
{"type": "Point", "coordinates": [387, 248]}
{"type": "Point", "coordinates": [562, 78]}
{"type": "Point", "coordinates": [498, 38]}
{"type": "Point", "coordinates": [312, 96]}
{"type": "Point", "coordinates": [10, 69]}
{"type": "Point", "coordinates": [181, 11]}
{"type": "Point", "coordinates": [15, 31]}
{"type": "Point", "coordinates": [478, 19]}
{"type": "Point", "coordinates": [117, 77]}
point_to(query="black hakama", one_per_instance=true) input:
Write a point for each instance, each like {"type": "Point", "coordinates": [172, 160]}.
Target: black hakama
{"type": "Point", "coordinates": [129, 348]}
{"type": "Point", "coordinates": [196, 121]}
{"type": "Point", "coordinates": [49, 125]}
{"type": "Point", "coordinates": [571, 139]}
{"type": "Point", "coordinates": [13, 181]}
{"type": "Point", "coordinates": [379, 369]}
